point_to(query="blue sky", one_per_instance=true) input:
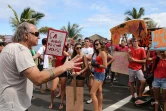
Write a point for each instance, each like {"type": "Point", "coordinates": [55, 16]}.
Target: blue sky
{"type": "Point", "coordinates": [95, 16]}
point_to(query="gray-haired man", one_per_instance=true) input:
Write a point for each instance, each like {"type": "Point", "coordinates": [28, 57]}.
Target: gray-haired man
{"type": "Point", "coordinates": [17, 66]}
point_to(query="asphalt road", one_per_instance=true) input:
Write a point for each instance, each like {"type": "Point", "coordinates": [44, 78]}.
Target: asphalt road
{"type": "Point", "coordinates": [111, 95]}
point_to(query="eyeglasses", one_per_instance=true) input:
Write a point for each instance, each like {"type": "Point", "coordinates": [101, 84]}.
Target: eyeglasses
{"type": "Point", "coordinates": [78, 48]}
{"type": "Point", "coordinates": [86, 41]}
{"type": "Point", "coordinates": [96, 44]}
{"type": "Point", "coordinates": [35, 33]}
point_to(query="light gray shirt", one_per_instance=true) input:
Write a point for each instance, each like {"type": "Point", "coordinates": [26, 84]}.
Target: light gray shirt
{"type": "Point", "coordinates": [15, 88]}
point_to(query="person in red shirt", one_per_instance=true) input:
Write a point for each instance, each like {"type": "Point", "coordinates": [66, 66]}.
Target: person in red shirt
{"type": "Point", "coordinates": [122, 47]}
{"type": "Point", "coordinates": [77, 72]}
{"type": "Point", "coordinates": [160, 78]}
{"type": "Point", "coordinates": [137, 57]}
{"type": "Point", "coordinates": [99, 64]}
{"type": "Point", "coordinates": [59, 61]}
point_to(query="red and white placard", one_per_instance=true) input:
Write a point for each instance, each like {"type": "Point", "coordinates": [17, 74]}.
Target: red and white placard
{"type": "Point", "coordinates": [55, 42]}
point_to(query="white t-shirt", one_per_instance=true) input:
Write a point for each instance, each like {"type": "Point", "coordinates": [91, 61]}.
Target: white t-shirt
{"type": "Point", "coordinates": [70, 50]}
{"type": "Point", "coordinates": [15, 89]}
{"type": "Point", "coordinates": [46, 61]}
{"type": "Point", "coordinates": [87, 51]}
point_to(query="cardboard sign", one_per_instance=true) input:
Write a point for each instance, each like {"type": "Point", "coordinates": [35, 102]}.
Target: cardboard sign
{"type": "Point", "coordinates": [55, 42]}
{"type": "Point", "coordinates": [145, 41]}
{"type": "Point", "coordinates": [120, 64]}
{"type": "Point", "coordinates": [159, 40]}
{"type": "Point", "coordinates": [135, 27]}
{"type": "Point", "coordinates": [79, 104]}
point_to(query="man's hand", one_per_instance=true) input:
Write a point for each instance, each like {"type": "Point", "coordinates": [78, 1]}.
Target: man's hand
{"type": "Point", "coordinates": [72, 64]}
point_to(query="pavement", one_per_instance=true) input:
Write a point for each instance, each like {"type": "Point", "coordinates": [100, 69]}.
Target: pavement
{"type": "Point", "coordinates": [115, 98]}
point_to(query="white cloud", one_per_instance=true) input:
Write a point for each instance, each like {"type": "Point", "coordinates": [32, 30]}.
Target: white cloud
{"type": "Point", "coordinates": [99, 20]}
{"type": "Point", "coordinates": [19, 5]}
{"type": "Point", "coordinates": [99, 6]}
{"type": "Point", "coordinates": [101, 24]}
{"type": "Point", "coordinates": [159, 18]}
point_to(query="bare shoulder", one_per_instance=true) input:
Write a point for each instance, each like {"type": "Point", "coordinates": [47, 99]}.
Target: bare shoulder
{"type": "Point", "coordinates": [103, 53]}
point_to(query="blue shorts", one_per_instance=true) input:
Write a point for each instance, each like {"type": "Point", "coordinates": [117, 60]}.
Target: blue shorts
{"type": "Point", "coordinates": [99, 76]}
{"type": "Point", "coordinates": [159, 83]}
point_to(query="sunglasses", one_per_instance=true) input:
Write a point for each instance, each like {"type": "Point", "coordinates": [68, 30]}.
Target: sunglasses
{"type": "Point", "coordinates": [96, 44]}
{"type": "Point", "coordinates": [35, 33]}
{"type": "Point", "coordinates": [134, 41]}
{"type": "Point", "coordinates": [78, 48]}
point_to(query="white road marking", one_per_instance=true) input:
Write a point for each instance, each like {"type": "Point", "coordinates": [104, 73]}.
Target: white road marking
{"type": "Point", "coordinates": [120, 103]}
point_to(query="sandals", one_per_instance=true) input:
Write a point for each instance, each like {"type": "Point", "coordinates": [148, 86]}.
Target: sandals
{"type": "Point", "coordinates": [50, 106]}
{"type": "Point", "coordinates": [61, 106]}
{"type": "Point", "coordinates": [57, 96]}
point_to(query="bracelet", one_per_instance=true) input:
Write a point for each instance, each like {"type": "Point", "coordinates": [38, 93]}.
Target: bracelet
{"type": "Point", "coordinates": [52, 75]}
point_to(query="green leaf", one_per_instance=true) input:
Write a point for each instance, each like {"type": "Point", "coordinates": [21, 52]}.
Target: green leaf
{"type": "Point", "coordinates": [44, 30]}
{"type": "Point", "coordinates": [15, 14]}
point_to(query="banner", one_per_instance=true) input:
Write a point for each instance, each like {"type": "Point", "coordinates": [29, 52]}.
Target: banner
{"type": "Point", "coordinates": [135, 27]}
{"type": "Point", "coordinates": [159, 40]}
{"type": "Point", "coordinates": [120, 63]}
{"type": "Point", "coordinates": [79, 103]}
{"type": "Point", "coordinates": [55, 42]}
{"type": "Point", "coordinates": [144, 42]}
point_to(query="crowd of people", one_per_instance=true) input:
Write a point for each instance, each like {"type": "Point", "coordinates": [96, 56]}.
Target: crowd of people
{"type": "Point", "coordinates": [79, 60]}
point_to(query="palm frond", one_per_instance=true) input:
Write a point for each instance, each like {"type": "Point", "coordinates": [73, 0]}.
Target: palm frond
{"type": "Point", "coordinates": [141, 12]}
{"type": "Point", "coordinates": [129, 13]}
{"type": "Point", "coordinates": [15, 14]}
{"type": "Point", "coordinates": [127, 18]}
{"type": "Point", "coordinates": [44, 30]}
{"type": "Point", "coordinates": [38, 16]}
{"type": "Point", "coordinates": [73, 30]}
{"type": "Point", "coordinates": [134, 13]}
{"type": "Point", "coordinates": [27, 13]}
{"type": "Point", "coordinates": [14, 23]}
{"type": "Point", "coordinates": [64, 28]}
{"type": "Point", "coordinates": [31, 20]}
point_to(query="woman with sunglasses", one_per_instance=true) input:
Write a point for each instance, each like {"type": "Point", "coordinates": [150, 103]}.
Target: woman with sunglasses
{"type": "Point", "coordinates": [62, 79]}
{"type": "Point", "coordinates": [80, 79]}
{"type": "Point", "coordinates": [100, 64]}
{"type": "Point", "coordinates": [159, 81]}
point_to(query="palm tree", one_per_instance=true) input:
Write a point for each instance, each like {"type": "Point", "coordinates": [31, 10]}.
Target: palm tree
{"type": "Point", "coordinates": [73, 31]}
{"type": "Point", "coordinates": [28, 15]}
{"type": "Point", "coordinates": [134, 14]}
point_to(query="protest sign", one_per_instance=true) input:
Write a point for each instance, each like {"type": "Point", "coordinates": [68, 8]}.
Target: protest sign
{"type": "Point", "coordinates": [78, 105]}
{"type": "Point", "coordinates": [145, 41]}
{"type": "Point", "coordinates": [120, 63]}
{"type": "Point", "coordinates": [135, 27]}
{"type": "Point", "coordinates": [159, 40]}
{"type": "Point", "coordinates": [55, 42]}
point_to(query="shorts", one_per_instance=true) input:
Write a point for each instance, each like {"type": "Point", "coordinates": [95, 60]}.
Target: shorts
{"type": "Point", "coordinates": [135, 73]}
{"type": "Point", "coordinates": [99, 76]}
{"type": "Point", "coordinates": [63, 74]}
{"type": "Point", "coordinates": [159, 83]}
{"type": "Point", "coordinates": [80, 78]}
